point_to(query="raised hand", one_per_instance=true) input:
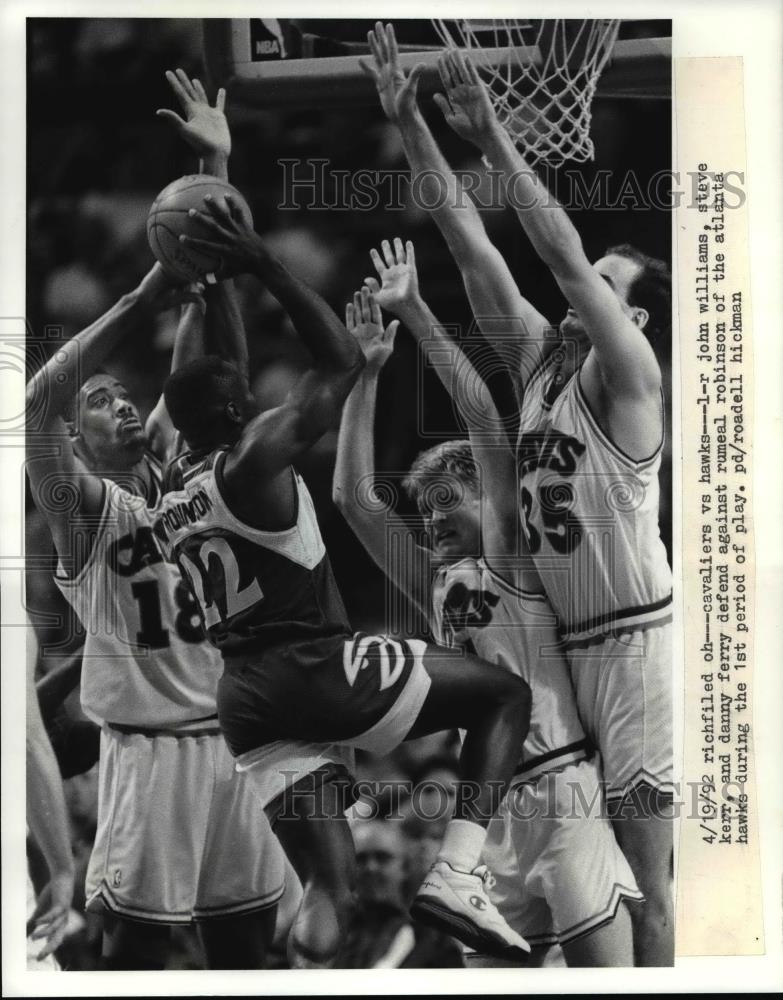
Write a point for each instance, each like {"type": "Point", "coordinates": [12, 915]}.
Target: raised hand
{"type": "Point", "coordinates": [157, 292]}
{"type": "Point", "coordinates": [231, 237]}
{"type": "Point", "coordinates": [399, 286]}
{"type": "Point", "coordinates": [396, 91]}
{"type": "Point", "coordinates": [466, 106]}
{"type": "Point", "coordinates": [204, 127]}
{"type": "Point", "coordinates": [363, 321]}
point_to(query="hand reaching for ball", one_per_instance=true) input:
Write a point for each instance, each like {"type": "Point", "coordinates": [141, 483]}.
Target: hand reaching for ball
{"type": "Point", "coordinates": [231, 237]}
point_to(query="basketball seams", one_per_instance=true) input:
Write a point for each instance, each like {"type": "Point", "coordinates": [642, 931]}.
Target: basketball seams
{"type": "Point", "coordinates": [169, 217]}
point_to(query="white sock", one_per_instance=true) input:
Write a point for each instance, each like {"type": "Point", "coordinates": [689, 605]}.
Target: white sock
{"type": "Point", "coordinates": [462, 844]}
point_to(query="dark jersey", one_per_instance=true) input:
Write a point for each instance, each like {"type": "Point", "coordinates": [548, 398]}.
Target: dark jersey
{"type": "Point", "coordinates": [256, 589]}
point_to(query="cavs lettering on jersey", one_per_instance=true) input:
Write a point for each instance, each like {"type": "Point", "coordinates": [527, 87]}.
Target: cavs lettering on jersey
{"type": "Point", "coordinates": [474, 607]}
{"type": "Point", "coordinates": [591, 515]}
{"type": "Point", "coordinates": [146, 660]}
{"type": "Point", "coordinates": [256, 589]}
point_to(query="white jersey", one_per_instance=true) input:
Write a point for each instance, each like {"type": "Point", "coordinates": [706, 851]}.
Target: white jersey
{"type": "Point", "coordinates": [591, 515]}
{"type": "Point", "coordinates": [475, 608]}
{"type": "Point", "coordinates": [146, 660]}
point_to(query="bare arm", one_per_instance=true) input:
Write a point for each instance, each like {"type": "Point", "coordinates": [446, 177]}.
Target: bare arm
{"type": "Point", "coordinates": [364, 508]}
{"type": "Point", "coordinates": [625, 358]}
{"type": "Point", "coordinates": [399, 293]}
{"type": "Point", "coordinates": [272, 441]}
{"type": "Point", "coordinates": [204, 127]}
{"type": "Point", "coordinates": [48, 821]}
{"type": "Point", "coordinates": [509, 321]}
{"type": "Point", "coordinates": [163, 439]}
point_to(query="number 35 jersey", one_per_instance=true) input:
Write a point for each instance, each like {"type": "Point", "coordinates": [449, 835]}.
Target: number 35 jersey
{"type": "Point", "coordinates": [255, 589]}
{"type": "Point", "coordinates": [146, 659]}
{"type": "Point", "coordinates": [591, 515]}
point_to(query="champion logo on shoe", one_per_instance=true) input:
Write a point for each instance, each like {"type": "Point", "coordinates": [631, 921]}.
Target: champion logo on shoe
{"type": "Point", "coordinates": [431, 885]}
{"type": "Point", "coordinates": [478, 902]}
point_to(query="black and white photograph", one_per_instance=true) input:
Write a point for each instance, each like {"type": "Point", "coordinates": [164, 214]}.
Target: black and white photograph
{"type": "Point", "coordinates": [353, 574]}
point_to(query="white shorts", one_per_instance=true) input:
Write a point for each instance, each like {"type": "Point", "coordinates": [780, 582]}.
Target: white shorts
{"type": "Point", "coordinates": [559, 873]}
{"type": "Point", "coordinates": [181, 836]}
{"type": "Point", "coordinates": [623, 691]}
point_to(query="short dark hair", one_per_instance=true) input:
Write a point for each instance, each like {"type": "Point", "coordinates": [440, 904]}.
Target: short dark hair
{"type": "Point", "coordinates": [426, 475]}
{"type": "Point", "coordinates": [651, 289]}
{"type": "Point", "coordinates": [198, 392]}
{"type": "Point", "coordinates": [71, 411]}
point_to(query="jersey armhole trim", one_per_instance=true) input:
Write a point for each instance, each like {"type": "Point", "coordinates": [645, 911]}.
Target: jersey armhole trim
{"type": "Point", "coordinates": [581, 397]}
{"type": "Point", "coordinates": [220, 461]}
{"type": "Point", "coordinates": [529, 595]}
{"type": "Point", "coordinates": [62, 579]}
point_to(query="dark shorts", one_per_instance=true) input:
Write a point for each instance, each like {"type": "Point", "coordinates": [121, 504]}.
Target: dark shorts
{"type": "Point", "coordinates": [365, 691]}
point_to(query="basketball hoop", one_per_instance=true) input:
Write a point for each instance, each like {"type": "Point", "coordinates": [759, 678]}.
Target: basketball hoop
{"type": "Point", "coordinates": [543, 91]}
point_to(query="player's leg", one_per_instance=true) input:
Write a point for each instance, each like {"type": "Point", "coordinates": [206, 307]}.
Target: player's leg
{"type": "Point", "coordinates": [131, 945]}
{"type": "Point", "coordinates": [610, 946]}
{"type": "Point", "coordinates": [238, 942]}
{"type": "Point", "coordinates": [241, 865]}
{"type": "Point", "coordinates": [643, 827]}
{"type": "Point", "coordinates": [623, 690]}
{"type": "Point", "coordinates": [317, 839]}
{"type": "Point", "coordinates": [493, 707]}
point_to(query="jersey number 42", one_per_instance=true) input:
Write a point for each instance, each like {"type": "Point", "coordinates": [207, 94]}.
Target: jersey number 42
{"type": "Point", "coordinates": [213, 570]}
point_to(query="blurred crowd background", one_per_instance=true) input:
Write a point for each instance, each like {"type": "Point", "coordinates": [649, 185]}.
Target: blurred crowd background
{"type": "Point", "coordinates": [96, 158]}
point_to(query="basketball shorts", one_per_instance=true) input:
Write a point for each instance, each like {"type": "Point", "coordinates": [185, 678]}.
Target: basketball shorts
{"type": "Point", "coordinates": [181, 836]}
{"type": "Point", "coordinates": [559, 873]}
{"type": "Point", "coordinates": [623, 691]}
{"type": "Point", "coordinates": [365, 691]}
{"type": "Point", "coordinates": [309, 706]}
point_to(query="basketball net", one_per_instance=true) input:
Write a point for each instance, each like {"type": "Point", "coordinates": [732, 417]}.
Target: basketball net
{"type": "Point", "coordinates": [543, 86]}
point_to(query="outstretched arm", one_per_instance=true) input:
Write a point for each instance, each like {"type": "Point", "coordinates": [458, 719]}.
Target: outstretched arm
{"type": "Point", "coordinates": [509, 321]}
{"type": "Point", "coordinates": [369, 515]}
{"type": "Point", "coordinates": [56, 475]}
{"type": "Point", "coordinates": [627, 364]}
{"type": "Point", "coordinates": [204, 127]}
{"type": "Point", "coordinates": [48, 820]}
{"type": "Point", "coordinates": [277, 437]}
{"type": "Point", "coordinates": [399, 293]}
{"type": "Point", "coordinates": [221, 331]}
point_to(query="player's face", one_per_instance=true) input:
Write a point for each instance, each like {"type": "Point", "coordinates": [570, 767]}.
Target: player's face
{"type": "Point", "coordinates": [109, 423]}
{"type": "Point", "coordinates": [619, 274]}
{"type": "Point", "coordinates": [380, 862]}
{"type": "Point", "coordinates": [452, 515]}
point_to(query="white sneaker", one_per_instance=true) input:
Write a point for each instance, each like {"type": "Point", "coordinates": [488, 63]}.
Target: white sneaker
{"type": "Point", "coordinates": [457, 903]}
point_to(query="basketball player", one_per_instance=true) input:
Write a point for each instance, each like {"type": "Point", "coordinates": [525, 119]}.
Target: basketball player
{"type": "Point", "coordinates": [560, 876]}
{"type": "Point", "coordinates": [241, 525]}
{"type": "Point", "coordinates": [589, 451]}
{"type": "Point", "coordinates": [180, 837]}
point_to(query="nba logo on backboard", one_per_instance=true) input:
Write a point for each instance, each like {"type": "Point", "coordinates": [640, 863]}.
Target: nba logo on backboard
{"type": "Point", "coordinates": [266, 39]}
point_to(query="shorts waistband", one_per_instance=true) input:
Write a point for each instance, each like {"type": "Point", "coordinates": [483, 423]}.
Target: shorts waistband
{"type": "Point", "coordinates": [178, 732]}
{"type": "Point", "coordinates": [569, 754]}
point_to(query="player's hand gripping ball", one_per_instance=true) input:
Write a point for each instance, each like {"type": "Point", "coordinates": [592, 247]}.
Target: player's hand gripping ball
{"type": "Point", "coordinates": [170, 218]}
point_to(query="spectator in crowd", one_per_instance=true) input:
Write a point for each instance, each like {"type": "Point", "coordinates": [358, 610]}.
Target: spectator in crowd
{"type": "Point", "coordinates": [382, 934]}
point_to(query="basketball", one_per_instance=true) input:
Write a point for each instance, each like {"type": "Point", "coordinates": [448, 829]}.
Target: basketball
{"type": "Point", "coordinates": [168, 219]}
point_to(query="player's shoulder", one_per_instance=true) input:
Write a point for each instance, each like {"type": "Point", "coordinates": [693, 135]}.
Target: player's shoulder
{"type": "Point", "coordinates": [185, 467]}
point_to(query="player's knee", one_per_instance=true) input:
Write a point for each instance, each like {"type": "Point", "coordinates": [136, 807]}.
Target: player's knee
{"type": "Point", "coordinates": [655, 914]}
{"type": "Point", "coordinates": [516, 694]}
